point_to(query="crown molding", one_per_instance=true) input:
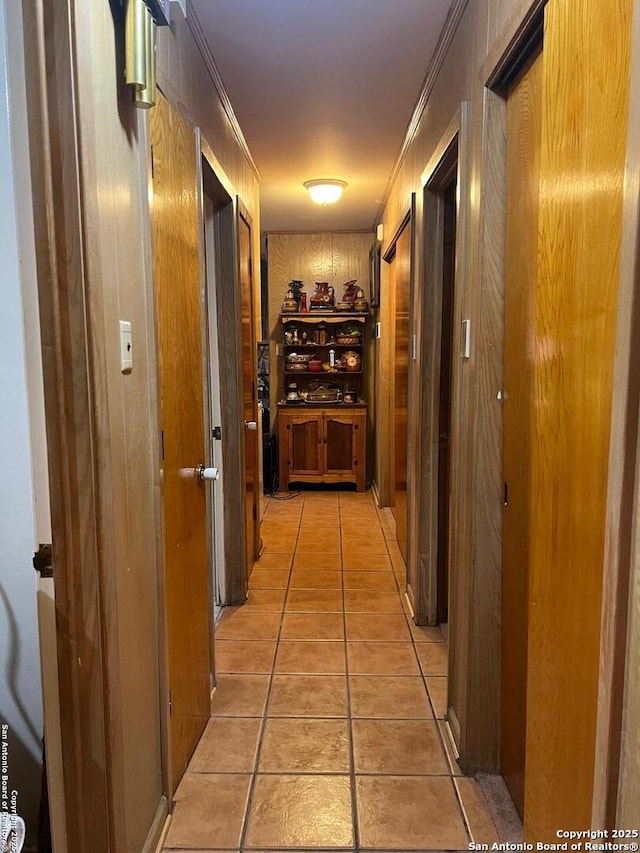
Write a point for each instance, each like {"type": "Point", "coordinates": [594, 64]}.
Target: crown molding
{"type": "Point", "coordinates": [449, 29]}
{"type": "Point", "coordinates": [201, 41]}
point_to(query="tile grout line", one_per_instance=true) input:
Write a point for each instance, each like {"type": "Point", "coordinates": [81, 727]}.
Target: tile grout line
{"type": "Point", "coordinates": [256, 764]}
{"type": "Point", "coordinates": [352, 760]}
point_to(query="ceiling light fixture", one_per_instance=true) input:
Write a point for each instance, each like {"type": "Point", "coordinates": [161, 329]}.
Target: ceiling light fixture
{"type": "Point", "coordinates": [325, 190]}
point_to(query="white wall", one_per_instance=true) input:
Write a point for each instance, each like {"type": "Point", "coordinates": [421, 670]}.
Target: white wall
{"type": "Point", "coordinates": [23, 520]}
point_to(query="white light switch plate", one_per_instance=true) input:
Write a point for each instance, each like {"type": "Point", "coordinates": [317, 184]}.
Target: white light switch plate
{"type": "Point", "coordinates": [466, 339]}
{"type": "Point", "coordinates": [126, 347]}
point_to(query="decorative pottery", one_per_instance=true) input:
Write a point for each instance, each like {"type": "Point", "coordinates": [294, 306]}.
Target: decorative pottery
{"type": "Point", "coordinates": [295, 286]}
{"type": "Point", "coordinates": [292, 393]}
{"type": "Point", "coordinates": [360, 303]}
{"type": "Point", "coordinates": [323, 298]}
{"type": "Point", "coordinates": [290, 304]}
{"type": "Point", "coordinates": [350, 291]}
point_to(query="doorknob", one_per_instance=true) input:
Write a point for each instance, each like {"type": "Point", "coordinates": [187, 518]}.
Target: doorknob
{"type": "Point", "coordinates": [252, 425]}
{"type": "Point", "coordinates": [203, 473]}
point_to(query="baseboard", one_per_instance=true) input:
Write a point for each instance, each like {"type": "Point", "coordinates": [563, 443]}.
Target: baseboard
{"type": "Point", "coordinates": [158, 830]}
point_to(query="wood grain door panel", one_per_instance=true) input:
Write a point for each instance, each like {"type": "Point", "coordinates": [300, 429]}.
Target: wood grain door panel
{"type": "Point", "coordinates": [177, 278]}
{"type": "Point", "coordinates": [524, 111]}
{"type": "Point", "coordinates": [305, 445]}
{"type": "Point", "coordinates": [582, 172]}
{"type": "Point", "coordinates": [402, 289]}
{"type": "Point", "coordinates": [339, 444]}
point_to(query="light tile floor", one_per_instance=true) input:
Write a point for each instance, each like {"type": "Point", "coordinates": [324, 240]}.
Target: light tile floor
{"type": "Point", "coordinates": [327, 726]}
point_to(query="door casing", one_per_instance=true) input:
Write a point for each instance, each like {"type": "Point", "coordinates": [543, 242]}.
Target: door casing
{"type": "Point", "coordinates": [399, 450]}
{"type": "Point", "coordinates": [448, 163]}
{"type": "Point", "coordinates": [524, 108]}
{"type": "Point", "coordinates": [249, 365]}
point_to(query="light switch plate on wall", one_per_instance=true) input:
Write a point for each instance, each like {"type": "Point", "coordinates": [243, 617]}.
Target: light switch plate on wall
{"type": "Point", "coordinates": [126, 347]}
{"type": "Point", "coordinates": [466, 339]}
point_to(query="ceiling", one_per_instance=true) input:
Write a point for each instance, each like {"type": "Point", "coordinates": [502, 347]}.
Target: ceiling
{"type": "Point", "coordinates": [322, 88]}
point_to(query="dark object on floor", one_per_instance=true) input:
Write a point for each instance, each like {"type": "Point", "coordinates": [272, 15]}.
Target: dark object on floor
{"type": "Point", "coordinates": [270, 463]}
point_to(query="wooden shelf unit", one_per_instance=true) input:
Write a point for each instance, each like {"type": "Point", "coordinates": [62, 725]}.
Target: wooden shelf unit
{"type": "Point", "coordinates": [323, 442]}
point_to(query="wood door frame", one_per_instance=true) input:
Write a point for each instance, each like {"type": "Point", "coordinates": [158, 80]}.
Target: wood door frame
{"type": "Point", "coordinates": [407, 220]}
{"type": "Point", "coordinates": [212, 181]}
{"type": "Point", "coordinates": [243, 213]}
{"type": "Point", "coordinates": [618, 694]}
{"type": "Point", "coordinates": [230, 373]}
{"type": "Point", "coordinates": [448, 159]}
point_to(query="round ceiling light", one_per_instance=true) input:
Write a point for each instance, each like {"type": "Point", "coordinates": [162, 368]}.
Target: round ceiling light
{"type": "Point", "coordinates": [325, 190]}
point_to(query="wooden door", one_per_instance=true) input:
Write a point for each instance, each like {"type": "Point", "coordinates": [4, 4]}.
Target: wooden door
{"type": "Point", "coordinates": [402, 288]}
{"type": "Point", "coordinates": [304, 445]}
{"type": "Point", "coordinates": [524, 109]}
{"type": "Point", "coordinates": [249, 395]}
{"type": "Point", "coordinates": [340, 458]}
{"type": "Point", "coordinates": [177, 278]}
{"type": "Point", "coordinates": [585, 93]}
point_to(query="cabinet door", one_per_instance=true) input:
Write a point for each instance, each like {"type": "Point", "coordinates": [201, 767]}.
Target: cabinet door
{"type": "Point", "coordinates": [304, 445]}
{"type": "Point", "coordinates": [340, 444]}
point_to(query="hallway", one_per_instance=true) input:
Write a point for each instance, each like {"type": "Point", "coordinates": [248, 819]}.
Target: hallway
{"type": "Point", "coordinates": [327, 722]}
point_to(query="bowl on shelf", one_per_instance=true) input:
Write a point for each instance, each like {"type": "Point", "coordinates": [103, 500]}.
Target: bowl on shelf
{"type": "Point", "coordinates": [348, 340]}
{"type": "Point", "coordinates": [296, 367]}
{"type": "Point", "coordinates": [315, 365]}
{"type": "Point", "coordinates": [299, 358]}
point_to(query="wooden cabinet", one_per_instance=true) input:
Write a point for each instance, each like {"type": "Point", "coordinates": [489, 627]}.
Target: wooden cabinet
{"type": "Point", "coordinates": [323, 445]}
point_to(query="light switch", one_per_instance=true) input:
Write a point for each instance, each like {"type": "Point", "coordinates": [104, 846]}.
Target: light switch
{"type": "Point", "coordinates": [126, 347]}
{"type": "Point", "coordinates": [466, 339]}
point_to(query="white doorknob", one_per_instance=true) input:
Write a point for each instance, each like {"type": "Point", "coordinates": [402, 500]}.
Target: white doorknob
{"type": "Point", "coordinates": [252, 425]}
{"type": "Point", "coordinates": [207, 473]}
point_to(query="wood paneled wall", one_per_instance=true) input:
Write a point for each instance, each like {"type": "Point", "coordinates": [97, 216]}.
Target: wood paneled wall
{"type": "Point", "coordinates": [476, 438]}
{"type": "Point", "coordinates": [332, 257]}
